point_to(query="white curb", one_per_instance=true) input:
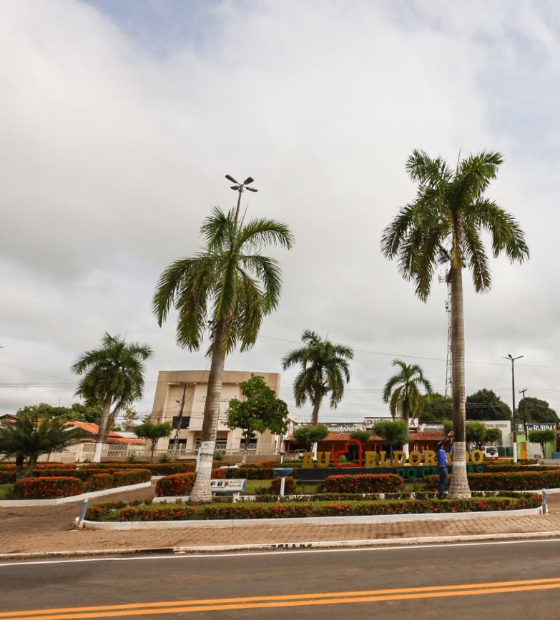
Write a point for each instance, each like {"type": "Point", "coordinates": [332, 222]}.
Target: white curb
{"type": "Point", "coordinates": [364, 519]}
{"type": "Point", "coordinates": [25, 503]}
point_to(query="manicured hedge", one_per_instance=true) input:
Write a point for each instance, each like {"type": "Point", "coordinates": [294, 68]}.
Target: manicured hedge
{"type": "Point", "coordinates": [290, 486]}
{"type": "Point", "coordinates": [362, 483]}
{"type": "Point", "coordinates": [100, 482]}
{"type": "Point", "coordinates": [131, 476]}
{"type": "Point", "coordinates": [498, 467]}
{"type": "Point", "coordinates": [182, 484]}
{"type": "Point", "coordinates": [250, 473]}
{"type": "Point", "coordinates": [509, 481]}
{"type": "Point", "coordinates": [115, 512]}
{"type": "Point", "coordinates": [47, 488]}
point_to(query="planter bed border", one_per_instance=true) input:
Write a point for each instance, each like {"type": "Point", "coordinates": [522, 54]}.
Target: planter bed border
{"type": "Point", "coordinates": [364, 519]}
{"type": "Point", "coordinates": [25, 503]}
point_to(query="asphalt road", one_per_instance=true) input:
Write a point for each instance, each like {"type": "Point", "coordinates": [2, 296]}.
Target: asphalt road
{"type": "Point", "coordinates": [513, 580]}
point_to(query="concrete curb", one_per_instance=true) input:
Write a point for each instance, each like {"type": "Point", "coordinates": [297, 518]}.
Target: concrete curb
{"type": "Point", "coordinates": [31, 503]}
{"type": "Point", "coordinates": [365, 519]}
{"type": "Point", "coordinates": [286, 546]}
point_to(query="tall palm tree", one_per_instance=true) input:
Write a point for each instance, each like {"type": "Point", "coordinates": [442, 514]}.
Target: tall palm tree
{"type": "Point", "coordinates": [443, 225]}
{"type": "Point", "coordinates": [325, 370]}
{"type": "Point", "coordinates": [113, 377]}
{"type": "Point", "coordinates": [228, 289]}
{"type": "Point", "coordinates": [402, 390]}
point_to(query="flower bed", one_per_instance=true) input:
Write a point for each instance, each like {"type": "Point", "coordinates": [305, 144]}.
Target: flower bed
{"type": "Point", "coordinates": [516, 467]}
{"type": "Point", "coordinates": [47, 488]}
{"type": "Point", "coordinates": [182, 484]}
{"type": "Point", "coordinates": [131, 476]}
{"type": "Point", "coordinates": [362, 483]}
{"type": "Point", "coordinates": [100, 482]}
{"type": "Point", "coordinates": [510, 481]}
{"type": "Point", "coordinates": [116, 511]}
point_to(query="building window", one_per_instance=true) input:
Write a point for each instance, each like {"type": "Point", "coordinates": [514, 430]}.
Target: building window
{"type": "Point", "coordinates": [185, 421]}
{"type": "Point", "coordinates": [220, 444]}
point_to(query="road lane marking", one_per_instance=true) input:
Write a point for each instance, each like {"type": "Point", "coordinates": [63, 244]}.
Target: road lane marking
{"type": "Point", "coordinates": [294, 600]}
{"type": "Point", "coordinates": [199, 555]}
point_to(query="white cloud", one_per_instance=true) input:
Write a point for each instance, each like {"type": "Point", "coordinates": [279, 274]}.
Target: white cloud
{"type": "Point", "coordinates": [111, 157]}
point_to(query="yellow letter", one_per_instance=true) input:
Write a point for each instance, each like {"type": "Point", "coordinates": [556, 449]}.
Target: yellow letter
{"type": "Point", "coordinates": [307, 460]}
{"type": "Point", "coordinates": [415, 458]}
{"type": "Point", "coordinates": [477, 456]}
{"type": "Point", "coordinates": [429, 458]}
{"type": "Point", "coordinates": [399, 458]}
{"type": "Point", "coordinates": [382, 461]}
{"type": "Point", "coordinates": [323, 459]}
{"type": "Point", "coordinates": [371, 458]}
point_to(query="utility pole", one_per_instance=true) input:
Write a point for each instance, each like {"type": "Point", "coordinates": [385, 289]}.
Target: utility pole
{"type": "Point", "coordinates": [525, 414]}
{"type": "Point", "coordinates": [180, 418]}
{"type": "Point", "coordinates": [512, 359]}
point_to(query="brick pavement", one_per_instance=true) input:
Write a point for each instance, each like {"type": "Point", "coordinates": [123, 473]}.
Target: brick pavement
{"type": "Point", "coordinates": [28, 530]}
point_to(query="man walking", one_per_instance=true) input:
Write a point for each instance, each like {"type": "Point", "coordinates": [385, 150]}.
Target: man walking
{"type": "Point", "coordinates": [443, 448]}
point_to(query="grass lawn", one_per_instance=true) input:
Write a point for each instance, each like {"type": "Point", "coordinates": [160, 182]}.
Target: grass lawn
{"type": "Point", "coordinates": [4, 490]}
{"type": "Point", "coordinates": [253, 485]}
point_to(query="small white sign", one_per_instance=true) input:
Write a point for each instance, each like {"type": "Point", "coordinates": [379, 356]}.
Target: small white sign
{"type": "Point", "coordinates": [234, 485]}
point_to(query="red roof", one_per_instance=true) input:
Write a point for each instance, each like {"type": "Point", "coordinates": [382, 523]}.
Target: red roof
{"type": "Point", "coordinates": [112, 437]}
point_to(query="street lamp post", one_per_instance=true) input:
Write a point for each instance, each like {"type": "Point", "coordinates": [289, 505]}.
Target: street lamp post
{"type": "Point", "coordinates": [240, 187]}
{"type": "Point", "coordinates": [512, 359]}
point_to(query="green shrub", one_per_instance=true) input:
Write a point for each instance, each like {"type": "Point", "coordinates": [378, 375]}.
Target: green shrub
{"type": "Point", "coordinates": [47, 488]}
{"type": "Point", "coordinates": [100, 482]}
{"type": "Point", "coordinates": [509, 481]}
{"type": "Point", "coordinates": [298, 510]}
{"type": "Point", "coordinates": [131, 476]}
{"type": "Point", "coordinates": [362, 483]}
{"type": "Point", "coordinates": [182, 484]}
{"type": "Point", "coordinates": [289, 488]}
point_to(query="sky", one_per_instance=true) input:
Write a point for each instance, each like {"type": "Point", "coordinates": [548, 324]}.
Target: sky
{"type": "Point", "coordinates": [119, 120]}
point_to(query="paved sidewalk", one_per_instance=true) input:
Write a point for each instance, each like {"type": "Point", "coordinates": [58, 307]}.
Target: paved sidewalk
{"type": "Point", "coordinates": [32, 530]}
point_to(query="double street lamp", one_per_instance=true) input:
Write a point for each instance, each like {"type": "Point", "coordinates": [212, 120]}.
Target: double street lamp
{"type": "Point", "coordinates": [241, 187]}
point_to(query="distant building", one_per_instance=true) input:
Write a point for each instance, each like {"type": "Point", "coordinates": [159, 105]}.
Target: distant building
{"type": "Point", "coordinates": [190, 387]}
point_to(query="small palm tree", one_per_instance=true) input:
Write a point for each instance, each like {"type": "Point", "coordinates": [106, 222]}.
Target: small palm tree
{"type": "Point", "coordinates": [30, 436]}
{"type": "Point", "coordinates": [443, 226]}
{"type": "Point", "coordinates": [325, 370]}
{"type": "Point", "coordinates": [227, 289]}
{"type": "Point", "coordinates": [402, 390]}
{"type": "Point", "coordinates": [113, 377]}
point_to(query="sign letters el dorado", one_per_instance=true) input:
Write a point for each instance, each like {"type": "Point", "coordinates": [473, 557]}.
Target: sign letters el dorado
{"type": "Point", "coordinates": [426, 458]}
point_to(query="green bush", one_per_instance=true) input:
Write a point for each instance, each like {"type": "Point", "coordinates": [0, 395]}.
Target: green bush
{"type": "Point", "coordinates": [298, 510]}
{"type": "Point", "coordinates": [100, 482]}
{"type": "Point", "coordinates": [290, 486]}
{"type": "Point", "coordinates": [131, 476]}
{"type": "Point", "coordinates": [47, 488]}
{"type": "Point", "coordinates": [182, 484]}
{"type": "Point", "coordinates": [508, 481]}
{"type": "Point", "coordinates": [362, 483]}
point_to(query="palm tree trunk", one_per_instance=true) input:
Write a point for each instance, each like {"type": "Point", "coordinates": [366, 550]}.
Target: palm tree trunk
{"type": "Point", "coordinates": [459, 487]}
{"type": "Point", "coordinates": [201, 492]}
{"type": "Point", "coordinates": [315, 414]}
{"type": "Point", "coordinates": [103, 425]}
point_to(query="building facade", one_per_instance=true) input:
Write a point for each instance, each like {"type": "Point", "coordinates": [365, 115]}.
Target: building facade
{"type": "Point", "coordinates": [180, 399]}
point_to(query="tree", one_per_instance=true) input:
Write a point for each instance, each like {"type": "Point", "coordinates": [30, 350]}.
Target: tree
{"type": "Point", "coordinates": [260, 411]}
{"type": "Point", "coordinates": [362, 436]}
{"type": "Point", "coordinates": [228, 288]}
{"type": "Point", "coordinates": [154, 432]}
{"type": "Point", "coordinates": [30, 436]}
{"type": "Point", "coordinates": [129, 418]}
{"type": "Point", "coordinates": [402, 390]}
{"type": "Point", "coordinates": [536, 411]}
{"type": "Point", "coordinates": [443, 226]}
{"type": "Point", "coordinates": [310, 434]}
{"type": "Point", "coordinates": [75, 413]}
{"type": "Point", "coordinates": [324, 370]}
{"type": "Point", "coordinates": [478, 434]}
{"type": "Point", "coordinates": [113, 376]}
{"type": "Point", "coordinates": [393, 432]}
{"type": "Point", "coordinates": [486, 405]}
{"type": "Point", "coordinates": [435, 408]}
{"type": "Point", "coordinates": [542, 438]}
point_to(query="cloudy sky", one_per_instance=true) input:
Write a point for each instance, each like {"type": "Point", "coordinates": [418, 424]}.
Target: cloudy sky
{"type": "Point", "coordinates": [120, 118]}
